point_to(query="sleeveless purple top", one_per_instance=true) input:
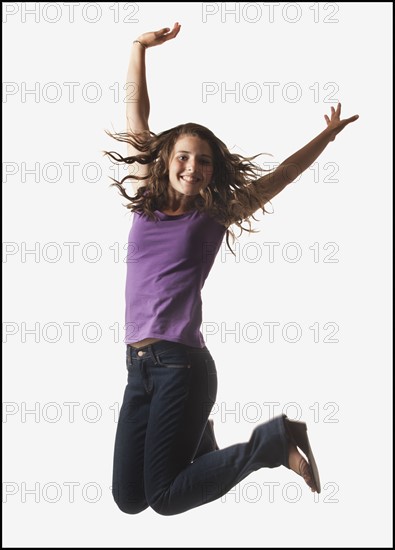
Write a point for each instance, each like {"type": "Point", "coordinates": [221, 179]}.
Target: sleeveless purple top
{"type": "Point", "coordinates": [167, 264]}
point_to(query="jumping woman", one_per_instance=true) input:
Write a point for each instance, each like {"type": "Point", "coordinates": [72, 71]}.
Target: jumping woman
{"type": "Point", "coordinates": [188, 189]}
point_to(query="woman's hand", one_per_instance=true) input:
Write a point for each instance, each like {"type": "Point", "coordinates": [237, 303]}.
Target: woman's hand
{"type": "Point", "coordinates": [156, 38]}
{"type": "Point", "coordinates": [335, 125]}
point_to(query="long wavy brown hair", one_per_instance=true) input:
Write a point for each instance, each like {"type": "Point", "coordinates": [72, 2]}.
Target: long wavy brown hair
{"type": "Point", "coordinates": [229, 198]}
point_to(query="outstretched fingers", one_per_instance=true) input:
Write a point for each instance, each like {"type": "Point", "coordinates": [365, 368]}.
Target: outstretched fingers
{"type": "Point", "coordinates": [168, 34]}
{"type": "Point", "coordinates": [334, 122]}
{"type": "Point", "coordinates": [335, 113]}
{"type": "Point", "coordinates": [351, 119]}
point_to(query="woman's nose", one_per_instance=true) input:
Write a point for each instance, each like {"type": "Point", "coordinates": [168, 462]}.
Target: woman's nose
{"type": "Point", "coordinates": [191, 165]}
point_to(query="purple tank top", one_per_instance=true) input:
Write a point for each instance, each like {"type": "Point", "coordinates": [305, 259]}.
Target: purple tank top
{"type": "Point", "coordinates": [168, 262]}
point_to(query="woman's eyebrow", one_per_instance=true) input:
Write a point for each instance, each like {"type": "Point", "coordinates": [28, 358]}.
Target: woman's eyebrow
{"type": "Point", "coordinates": [202, 155]}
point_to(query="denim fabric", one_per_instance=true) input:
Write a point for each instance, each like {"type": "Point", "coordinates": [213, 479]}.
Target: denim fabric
{"type": "Point", "coordinates": [165, 455]}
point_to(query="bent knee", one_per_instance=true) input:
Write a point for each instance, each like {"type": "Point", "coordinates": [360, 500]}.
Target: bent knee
{"type": "Point", "coordinates": [129, 498]}
{"type": "Point", "coordinates": [162, 506]}
{"type": "Point", "coordinates": [131, 507]}
{"type": "Point", "coordinates": [162, 511]}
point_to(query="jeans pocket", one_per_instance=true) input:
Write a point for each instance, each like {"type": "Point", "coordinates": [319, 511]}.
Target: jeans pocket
{"type": "Point", "coordinates": [174, 358]}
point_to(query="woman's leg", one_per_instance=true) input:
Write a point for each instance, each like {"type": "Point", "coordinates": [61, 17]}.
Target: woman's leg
{"type": "Point", "coordinates": [208, 442]}
{"type": "Point", "coordinates": [128, 472]}
{"type": "Point", "coordinates": [184, 391]}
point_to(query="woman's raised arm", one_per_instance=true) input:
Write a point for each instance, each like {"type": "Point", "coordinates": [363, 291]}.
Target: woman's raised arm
{"type": "Point", "coordinates": [137, 99]}
{"type": "Point", "coordinates": [291, 168]}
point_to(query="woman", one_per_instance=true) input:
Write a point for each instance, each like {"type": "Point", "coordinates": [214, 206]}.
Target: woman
{"type": "Point", "coordinates": [188, 190]}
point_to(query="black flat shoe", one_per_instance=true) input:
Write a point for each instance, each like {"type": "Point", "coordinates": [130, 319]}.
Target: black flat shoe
{"type": "Point", "coordinates": [297, 433]}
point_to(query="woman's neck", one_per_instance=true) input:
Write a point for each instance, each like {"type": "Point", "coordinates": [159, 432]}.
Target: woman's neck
{"type": "Point", "coordinates": [177, 203]}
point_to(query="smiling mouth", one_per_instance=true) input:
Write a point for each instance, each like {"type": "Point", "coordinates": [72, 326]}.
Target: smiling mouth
{"type": "Point", "coordinates": [189, 179]}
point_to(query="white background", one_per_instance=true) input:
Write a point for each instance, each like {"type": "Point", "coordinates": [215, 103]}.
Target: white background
{"type": "Point", "coordinates": [340, 388]}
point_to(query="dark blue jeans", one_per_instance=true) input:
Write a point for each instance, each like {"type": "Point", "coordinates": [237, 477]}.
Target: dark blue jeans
{"type": "Point", "coordinates": [165, 453]}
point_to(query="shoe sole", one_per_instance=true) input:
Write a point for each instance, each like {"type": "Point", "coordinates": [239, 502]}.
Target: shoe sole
{"type": "Point", "coordinates": [299, 432]}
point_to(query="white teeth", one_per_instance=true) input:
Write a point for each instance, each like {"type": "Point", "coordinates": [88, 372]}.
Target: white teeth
{"type": "Point", "coordinates": [189, 179]}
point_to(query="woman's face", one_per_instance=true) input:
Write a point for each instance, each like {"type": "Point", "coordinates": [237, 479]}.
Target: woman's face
{"type": "Point", "coordinates": [191, 165]}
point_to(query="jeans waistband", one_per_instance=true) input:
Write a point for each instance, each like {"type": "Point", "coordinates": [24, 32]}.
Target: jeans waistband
{"type": "Point", "coordinates": [156, 347]}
